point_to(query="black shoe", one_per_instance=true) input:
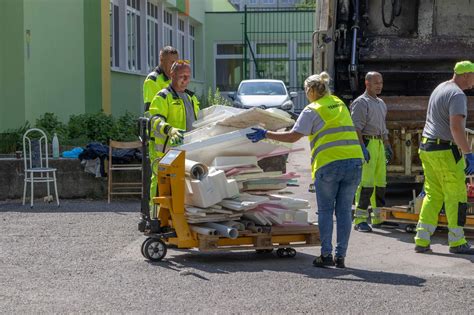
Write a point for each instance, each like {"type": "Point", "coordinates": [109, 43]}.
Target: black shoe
{"type": "Point", "coordinates": [339, 262]}
{"type": "Point", "coordinates": [387, 224]}
{"type": "Point", "coordinates": [363, 227]}
{"type": "Point", "coordinates": [464, 249]}
{"type": "Point", "coordinates": [423, 249]}
{"type": "Point", "coordinates": [324, 261]}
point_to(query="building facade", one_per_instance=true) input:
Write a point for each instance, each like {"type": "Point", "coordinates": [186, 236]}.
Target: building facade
{"type": "Point", "coordinates": [83, 56]}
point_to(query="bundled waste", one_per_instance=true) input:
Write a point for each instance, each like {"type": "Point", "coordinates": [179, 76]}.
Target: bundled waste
{"type": "Point", "coordinates": [226, 172]}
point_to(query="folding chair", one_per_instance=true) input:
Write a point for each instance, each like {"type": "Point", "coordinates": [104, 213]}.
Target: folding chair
{"type": "Point", "coordinates": [123, 188]}
{"type": "Point", "coordinates": [35, 157]}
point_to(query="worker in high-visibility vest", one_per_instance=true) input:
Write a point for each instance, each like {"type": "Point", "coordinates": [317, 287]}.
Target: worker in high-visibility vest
{"type": "Point", "coordinates": [446, 157]}
{"type": "Point", "coordinates": [172, 112]}
{"type": "Point", "coordinates": [368, 112]}
{"type": "Point", "coordinates": [336, 161]}
{"type": "Point", "coordinates": [159, 78]}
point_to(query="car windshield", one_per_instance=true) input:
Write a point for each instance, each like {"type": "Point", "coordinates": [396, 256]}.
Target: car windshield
{"type": "Point", "coordinates": [262, 88]}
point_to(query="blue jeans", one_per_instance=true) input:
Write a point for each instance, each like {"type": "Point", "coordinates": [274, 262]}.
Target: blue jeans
{"type": "Point", "coordinates": [336, 184]}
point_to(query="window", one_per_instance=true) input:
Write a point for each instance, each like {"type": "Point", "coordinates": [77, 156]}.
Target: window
{"type": "Point", "coordinates": [133, 35]}
{"type": "Point", "coordinates": [268, 1]}
{"type": "Point", "coordinates": [181, 39]}
{"type": "Point", "coordinates": [114, 35]}
{"type": "Point", "coordinates": [229, 66]}
{"type": "Point", "coordinates": [152, 35]}
{"type": "Point", "coordinates": [167, 28]}
{"type": "Point", "coordinates": [192, 50]}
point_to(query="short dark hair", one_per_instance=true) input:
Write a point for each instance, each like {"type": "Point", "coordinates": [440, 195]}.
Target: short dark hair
{"type": "Point", "coordinates": [168, 50]}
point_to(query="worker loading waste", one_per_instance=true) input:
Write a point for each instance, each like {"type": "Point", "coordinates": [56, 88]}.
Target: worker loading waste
{"type": "Point", "coordinates": [336, 159]}
{"type": "Point", "coordinates": [173, 111]}
{"type": "Point", "coordinates": [446, 157]}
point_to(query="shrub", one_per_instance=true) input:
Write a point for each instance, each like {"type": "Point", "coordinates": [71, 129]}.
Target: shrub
{"type": "Point", "coordinates": [12, 139]}
{"type": "Point", "coordinates": [50, 124]}
{"type": "Point", "coordinates": [216, 98]}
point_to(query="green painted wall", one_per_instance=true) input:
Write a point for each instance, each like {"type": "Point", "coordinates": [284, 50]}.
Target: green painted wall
{"type": "Point", "coordinates": [12, 90]}
{"type": "Point", "coordinates": [55, 71]}
{"type": "Point", "coordinates": [232, 32]}
{"type": "Point", "coordinates": [92, 55]}
{"type": "Point", "coordinates": [126, 93]}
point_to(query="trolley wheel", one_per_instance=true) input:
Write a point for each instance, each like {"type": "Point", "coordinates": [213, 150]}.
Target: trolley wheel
{"type": "Point", "coordinates": [143, 246]}
{"type": "Point", "coordinates": [283, 253]}
{"type": "Point", "coordinates": [291, 252]}
{"type": "Point", "coordinates": [154, 249]}
{"type": "Point", "coordinates": [410, 228]}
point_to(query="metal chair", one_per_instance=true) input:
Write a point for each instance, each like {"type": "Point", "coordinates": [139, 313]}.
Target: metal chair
{"type": "Point", "coordinates": [35, 157]}
{"type": "Point", "coordinates": [123, 188]}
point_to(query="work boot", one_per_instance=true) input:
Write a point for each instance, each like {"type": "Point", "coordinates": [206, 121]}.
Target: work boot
{"type": "Point", "coordinates": [464, 249]}
{"type": "Point", "coordinates": [324, 261]}
{"type": "Point", "coordinates": [390, 224]}
{"type": "Point", "coordinates": [363, 227]}
{"type": "Point", "coordinates": [423, 249]}
{"type": "Point", "coordinates": [339, 262]}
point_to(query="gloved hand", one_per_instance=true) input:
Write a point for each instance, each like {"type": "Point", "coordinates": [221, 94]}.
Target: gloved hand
{"type": "Point", "coordinates": [257, 135]}
{"type": "Point", "coordinates": [176, 136]}
{"type": "Point", "coordinates": [388, 153]}
{"type": "Point", "coordinates": [469, 170]}
{"type": "Point", "coordinates": [366, 153]}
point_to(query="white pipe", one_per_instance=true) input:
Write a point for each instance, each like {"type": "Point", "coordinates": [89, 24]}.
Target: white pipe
{"type": "Point", "coordinates": [223, 230]}
{"type": "Point", "coordinates": [203, 230]}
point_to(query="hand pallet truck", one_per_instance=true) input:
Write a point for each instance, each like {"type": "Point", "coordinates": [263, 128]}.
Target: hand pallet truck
{"type": "Point", "coordinates": [171, 227]}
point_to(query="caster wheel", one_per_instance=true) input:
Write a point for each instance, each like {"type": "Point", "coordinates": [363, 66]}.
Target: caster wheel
{"type": "Point", "coordinates": [282, 253]}
{"type": "Point", "coordinates": [410, 228]}
{"type": "Point", "coordinates": [143, 246]}
{"type": "Point", "coordinates": [154, 249]}
{"type": "Point", "coordinates": [291, 252]}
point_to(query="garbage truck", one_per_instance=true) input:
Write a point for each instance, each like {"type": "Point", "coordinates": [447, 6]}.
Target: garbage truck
{"type": "Point", "coordinates": [414, 44]}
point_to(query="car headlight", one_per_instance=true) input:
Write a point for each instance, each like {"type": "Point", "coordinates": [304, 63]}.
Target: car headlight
{"type": "Point", "coordinates": [287, 105]}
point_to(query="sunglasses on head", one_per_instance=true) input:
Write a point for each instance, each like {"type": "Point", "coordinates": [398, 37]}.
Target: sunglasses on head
{"type": "Point", "coordinates": [183, 62]}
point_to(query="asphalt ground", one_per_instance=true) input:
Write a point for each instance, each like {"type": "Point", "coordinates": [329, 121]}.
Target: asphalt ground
{"type": "Point", "coordinates": [84, 257]}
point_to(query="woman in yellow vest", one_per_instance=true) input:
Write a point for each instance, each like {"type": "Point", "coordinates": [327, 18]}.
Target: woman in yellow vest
{"type": "Point", "coordinates": [336, 160]}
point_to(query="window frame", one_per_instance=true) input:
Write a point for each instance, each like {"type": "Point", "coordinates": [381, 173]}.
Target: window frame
{"type": "Point", "coordinates": [133, 64]}
{"type": "Point", "coordinates": [226, 56]}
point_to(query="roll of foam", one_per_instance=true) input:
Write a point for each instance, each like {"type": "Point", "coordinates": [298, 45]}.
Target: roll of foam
{"type": "Point", "coordinates": [195, 170]}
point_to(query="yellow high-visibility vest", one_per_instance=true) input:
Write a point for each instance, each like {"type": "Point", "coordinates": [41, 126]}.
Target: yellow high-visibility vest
{"type": "Point", "coordinates": [337, 139]}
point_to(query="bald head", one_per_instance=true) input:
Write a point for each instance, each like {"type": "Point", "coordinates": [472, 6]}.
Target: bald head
{"type": "Point", "coordinates": [373, 83]}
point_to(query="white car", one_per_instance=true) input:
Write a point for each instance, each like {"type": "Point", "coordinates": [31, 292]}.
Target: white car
{"type": "Point", "coordinates": [263, 94]}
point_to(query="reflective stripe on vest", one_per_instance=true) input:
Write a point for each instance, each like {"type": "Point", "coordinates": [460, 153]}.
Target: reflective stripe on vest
{"type": "Point", "coordinates": [337, 139]}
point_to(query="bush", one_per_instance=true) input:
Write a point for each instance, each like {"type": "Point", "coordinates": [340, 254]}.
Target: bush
{"type": "Point", "coordinates": [79, 131]}
{"type": "Point", "coordinates": [12, 139]}
{"type": "Point", "coordinates": [216, 98]}
{"type": "Point", "coordinates": [50, 124]}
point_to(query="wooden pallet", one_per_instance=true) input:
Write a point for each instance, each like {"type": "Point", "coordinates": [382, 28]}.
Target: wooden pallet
{"type": "Point", "coordinates": [278, 237]}
{"type": "Point", "coordinates": [401, 215]}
